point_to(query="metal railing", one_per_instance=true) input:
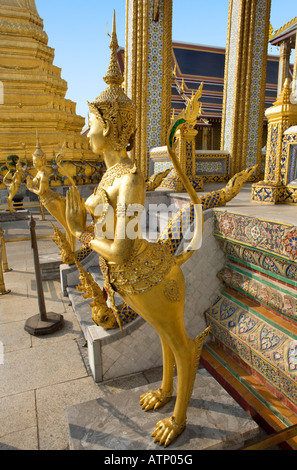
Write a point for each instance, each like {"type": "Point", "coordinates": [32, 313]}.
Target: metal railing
{"type": "Point", "coordinates": [25, 205]}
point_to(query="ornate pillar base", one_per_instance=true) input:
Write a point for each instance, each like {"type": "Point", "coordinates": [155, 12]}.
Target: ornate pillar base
{"type": "Point", "coordinates": [267, 193]}
{"type": "Point", "coordinates": [175, 184]}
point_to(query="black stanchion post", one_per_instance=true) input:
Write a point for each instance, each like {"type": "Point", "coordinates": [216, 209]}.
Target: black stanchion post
{"type": "Point", "coordinates": [44, 323]}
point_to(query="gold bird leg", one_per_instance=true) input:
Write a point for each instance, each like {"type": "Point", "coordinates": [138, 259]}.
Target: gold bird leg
{"type": "Point", "coordinates": [167, 317]}
{"type": "Point", "coordinates": [155, 399]}
{"type": "Point", "coordinates": [10, 206]}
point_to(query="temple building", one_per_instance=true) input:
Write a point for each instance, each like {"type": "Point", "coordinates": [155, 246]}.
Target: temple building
{"type": "Point", "coordinates": [285, 39]}
{"type": "Point", "coordinates": [33, 98]}
{"type": "Point", "coordinates": [193, 64]}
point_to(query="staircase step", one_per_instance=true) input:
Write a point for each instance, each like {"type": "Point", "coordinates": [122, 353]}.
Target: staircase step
{"type": "Point", "coordinates": [81, 307]}
{"type": "Point", "coordinates": [287, 325]}
{"type": "Point", "coordinates": [259, 339]}
{"type": "Point", "coordinates": [254, 397]}
{"type": "Point", "coordinates": [278, 297]}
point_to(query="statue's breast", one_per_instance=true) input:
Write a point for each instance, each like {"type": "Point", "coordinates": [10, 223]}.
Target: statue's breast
{"type": "Point", "coordinates": [102, 213]}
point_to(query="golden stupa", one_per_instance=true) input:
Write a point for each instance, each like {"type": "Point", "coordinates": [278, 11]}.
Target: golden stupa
{"type": "Point", "coordinates": [32, 92]}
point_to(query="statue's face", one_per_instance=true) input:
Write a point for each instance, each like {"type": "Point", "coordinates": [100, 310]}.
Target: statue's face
{"type": "Point", "coordinates": [97, 135]}
{"type": "Point", "coordinates": [37, 162]}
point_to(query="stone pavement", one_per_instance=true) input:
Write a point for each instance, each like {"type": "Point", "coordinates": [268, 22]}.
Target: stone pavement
{"type": "Point", "coordinates": [41, 376]}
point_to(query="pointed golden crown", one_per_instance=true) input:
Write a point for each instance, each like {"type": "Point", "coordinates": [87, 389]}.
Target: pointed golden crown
{"type": "Point", "coordinates": [113, 104]}
{"type": "Point", "coordinates": [39, 152]}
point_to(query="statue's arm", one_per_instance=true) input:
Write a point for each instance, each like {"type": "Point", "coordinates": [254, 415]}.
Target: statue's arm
{"type": "Point", "coordinates": [38, 185]}
{"type": "Point", "coordinates": [127, 228]}
{"type": "Point", "coordinates": [7, 183]}
{"type": "Point", "coordinates": [117, 249]}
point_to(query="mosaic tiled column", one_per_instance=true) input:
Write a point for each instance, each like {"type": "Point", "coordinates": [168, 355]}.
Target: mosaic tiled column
{"type": "Point", "coordinates": [148, 72]}
{"type": "Point", "coordinates": [294, 81]}
{"type": "Point", "coordinates": [245, 79]}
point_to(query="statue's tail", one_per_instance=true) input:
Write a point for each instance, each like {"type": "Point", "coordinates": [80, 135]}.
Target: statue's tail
{"type": "Point", "coordinates": [198, 204]}
{"type": "Point", "coordinates": [187, 117]}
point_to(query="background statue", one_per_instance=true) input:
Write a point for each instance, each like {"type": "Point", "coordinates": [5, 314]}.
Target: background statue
{"type": "Point", "coordinates": [54, 203]}
{"type": "Point", "coordinates": [146, 275]}
{"type": "Point", "coordinates": [13, 181]}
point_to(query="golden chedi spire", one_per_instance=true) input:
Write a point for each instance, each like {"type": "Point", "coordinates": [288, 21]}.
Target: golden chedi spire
{"type": "Point", "coordinates": [38, 152]}
{"type": "Point", "coordinates": [34, 92]}
{"type": "Point", "coordinates": [28, 4]}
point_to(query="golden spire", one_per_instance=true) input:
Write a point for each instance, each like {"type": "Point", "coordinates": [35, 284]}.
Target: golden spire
{"type": "Point", "coordinates": [284, 96]}
{"type": "Point", "coordinates": [113, 75]}
{"type": "Point", "coordinates": [38, 152]}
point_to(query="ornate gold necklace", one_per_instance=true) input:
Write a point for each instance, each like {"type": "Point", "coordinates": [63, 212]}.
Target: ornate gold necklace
{"type": "Point", "coordinates": [116, 171]}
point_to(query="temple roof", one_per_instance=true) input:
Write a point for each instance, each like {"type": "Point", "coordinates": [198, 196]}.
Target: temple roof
{"type": "Point", "coordinates": [195, 63]}
{"type": "Point", "coordinates": [285, 32]}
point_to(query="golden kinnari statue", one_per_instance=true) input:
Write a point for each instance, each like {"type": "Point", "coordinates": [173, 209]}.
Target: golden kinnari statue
{"type": "Point", "coordinates": [13, 183]}
{"type": "Point", "coordinates": [146, 275]}
{"type": "Point", "coordinates": [51, 200]}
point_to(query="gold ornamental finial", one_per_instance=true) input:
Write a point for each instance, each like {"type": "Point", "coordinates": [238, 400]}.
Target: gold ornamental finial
{"type": "Point", "coordinates": [113, 75]}
{"type": "Point", "coordinates": [37, 140]}
{"type": "Point", "coordinates": [38, 152]}
{"type": "Point", "coordinates": [284, 96]}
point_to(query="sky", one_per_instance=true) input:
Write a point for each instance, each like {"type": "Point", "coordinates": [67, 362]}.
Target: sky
{"type": "Point", "coordinates": [77, 32]}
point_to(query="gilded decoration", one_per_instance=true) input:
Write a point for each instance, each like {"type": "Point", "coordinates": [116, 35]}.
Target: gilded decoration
{"type": "Point", "coordinates": [172, 235]}
{"type": "Point", "coordinates": [278, 186]}
{"type": "Point", "coordinates": [171, 291]}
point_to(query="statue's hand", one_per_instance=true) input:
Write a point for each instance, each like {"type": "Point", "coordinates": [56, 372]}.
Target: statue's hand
{"type": "Point", "coordinates": [59, 159]}
{"type": "Point", "coordinates": [154, 399]}
{"type": "Point", "coordinates": [167, 431]}
{"type": "Point", "coordinates": [29, 182]}
{"type": "Point", "coordinates": [76, 214]}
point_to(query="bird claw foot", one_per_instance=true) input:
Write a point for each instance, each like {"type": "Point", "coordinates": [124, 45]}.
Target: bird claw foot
{"type": "Point", "coordinates": [154, 399]}
{"type": "Point", "coordinates": [167, 431]}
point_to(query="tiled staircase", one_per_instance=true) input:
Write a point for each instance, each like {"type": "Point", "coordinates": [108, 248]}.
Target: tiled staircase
{"type": "Point", "coordinates": [254, 320]}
